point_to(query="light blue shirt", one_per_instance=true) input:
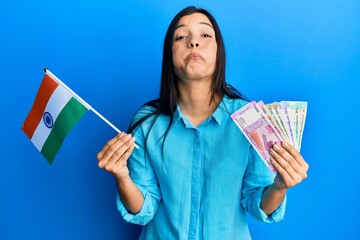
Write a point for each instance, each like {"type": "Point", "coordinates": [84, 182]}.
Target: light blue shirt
{"type": "Point", "coordinates": [205, 181]}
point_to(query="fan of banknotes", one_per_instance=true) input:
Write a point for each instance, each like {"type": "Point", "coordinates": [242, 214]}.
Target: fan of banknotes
{"type": "Point", "coordinates": [267, 124]}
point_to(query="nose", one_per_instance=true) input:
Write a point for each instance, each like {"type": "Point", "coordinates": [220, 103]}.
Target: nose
{"type": "Point", "coordinates": [193, 44]}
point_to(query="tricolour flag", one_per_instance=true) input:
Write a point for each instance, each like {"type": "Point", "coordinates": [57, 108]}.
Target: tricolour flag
{"type": "Point", "coordinates": [54, 113]}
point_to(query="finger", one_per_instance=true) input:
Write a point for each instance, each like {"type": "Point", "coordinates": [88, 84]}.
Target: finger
{"type": "Point", "coordinates": [122, 161]}
{"type": "Point", "coordinates": [113, 149]}
{"type": "Point", "coordinates": [108, 144]}
{"type": "Point", "coordinates": [285, 165]}
{"type": "Point", "coordinates": [295, 154]}
{"type": "Point", "coordinates": [294, 158]}
{"type": "Point", "coordinates": [118, 167]}
{"type": "Point", "coordinates": [287, 180]}
{"type": "Point", "coordinates": [120, 150]}
{"type": "Point", "coordinates": [285, 155]}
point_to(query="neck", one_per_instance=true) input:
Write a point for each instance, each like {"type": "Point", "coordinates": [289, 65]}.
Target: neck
{"type": "Point", "coordinates": [196, 101]}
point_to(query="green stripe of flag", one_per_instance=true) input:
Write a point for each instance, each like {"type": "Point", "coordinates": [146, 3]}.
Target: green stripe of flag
{"type": "Point", "coordinates": [68, 117]}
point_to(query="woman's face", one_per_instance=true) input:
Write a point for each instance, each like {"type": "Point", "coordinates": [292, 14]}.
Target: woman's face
{"type": "Point", "coordinates": [194, 48]}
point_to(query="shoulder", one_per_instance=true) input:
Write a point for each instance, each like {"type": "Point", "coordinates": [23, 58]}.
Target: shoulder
{"type": "Point", "coordinates": [233, 104]}
{"type": "Point", "coordinates": [143, 114]}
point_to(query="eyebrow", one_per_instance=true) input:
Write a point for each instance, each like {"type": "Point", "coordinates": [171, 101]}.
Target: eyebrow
{"type": "Point", "coordinates": [183, 25]}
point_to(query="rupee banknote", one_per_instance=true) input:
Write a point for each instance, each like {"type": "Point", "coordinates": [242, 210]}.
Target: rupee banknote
{"type": "Point", "coordinates": [298, 112]}
{"type": "Point", "coordinates": [267, 124]}
{"type": "Point", "coordinates": [258, 130]}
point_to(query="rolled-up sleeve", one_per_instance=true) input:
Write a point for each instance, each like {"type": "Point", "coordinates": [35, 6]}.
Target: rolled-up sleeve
{"type": "Point", "coordinates": [257, 177]}
{"type": "Point", "coordinates": [276, 216]}
{"type": "Point", "coordinates": [146, 213]}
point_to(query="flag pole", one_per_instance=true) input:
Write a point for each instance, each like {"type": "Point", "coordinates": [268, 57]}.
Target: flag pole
{"type": "Point", "coordinates": [82, 101]}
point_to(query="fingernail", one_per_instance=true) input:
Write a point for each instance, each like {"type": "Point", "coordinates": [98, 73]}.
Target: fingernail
{"type": "Point", "coordinates": [276, 147]}
{"type": "Point", "coordinates": [285, 144]}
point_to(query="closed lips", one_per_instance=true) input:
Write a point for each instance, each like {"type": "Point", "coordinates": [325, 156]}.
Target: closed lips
{"type": "Point", "coordinates": [194, 56]}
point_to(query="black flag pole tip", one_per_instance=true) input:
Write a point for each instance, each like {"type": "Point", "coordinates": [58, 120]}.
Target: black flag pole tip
{"type": "Point", "coordinates": [45, 69]}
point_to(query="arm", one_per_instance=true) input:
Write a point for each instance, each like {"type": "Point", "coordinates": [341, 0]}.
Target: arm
{"type": "Point", "coordinates": [271, 199]}
{"type": "Point", "coordinates": [113, 158]}
{"type": "Point", "coordinates": [292, 169]}
{"type": "Point", "coordinates": [130, 195]}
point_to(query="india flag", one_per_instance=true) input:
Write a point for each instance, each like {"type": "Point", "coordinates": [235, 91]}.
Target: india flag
{"type": "Point", "coordinates": [54, 113]}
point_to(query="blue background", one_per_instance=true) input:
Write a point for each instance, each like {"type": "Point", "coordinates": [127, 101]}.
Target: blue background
{"type": "Point", "coordinates": [109, 52]}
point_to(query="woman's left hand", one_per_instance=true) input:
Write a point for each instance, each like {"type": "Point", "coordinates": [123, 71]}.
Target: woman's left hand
{"type": "Point", "coordinates": [290, 165]}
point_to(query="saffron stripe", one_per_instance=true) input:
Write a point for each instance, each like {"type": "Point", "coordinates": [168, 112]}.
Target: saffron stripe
{"type": "Point", "coordinates": [56, 103]}
{"type": "Point", "coordinates": [68, 117]}
{"type": "Point", "coordinates": [47, 87]}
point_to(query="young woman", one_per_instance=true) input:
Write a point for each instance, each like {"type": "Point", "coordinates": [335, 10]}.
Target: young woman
{"type": "Point", "coordinates": [195, 174]}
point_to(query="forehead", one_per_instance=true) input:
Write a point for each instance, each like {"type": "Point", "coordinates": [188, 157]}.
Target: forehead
{"type": "Point", "coordinates": [195, 18]}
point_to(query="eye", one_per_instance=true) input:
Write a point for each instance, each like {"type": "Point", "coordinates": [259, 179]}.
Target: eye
{"type": "Point", "coordinates": [180, 38]}
{"type": "Point", "coordinates": [206, 35]}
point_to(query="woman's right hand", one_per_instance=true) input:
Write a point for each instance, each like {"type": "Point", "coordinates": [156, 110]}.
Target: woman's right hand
{"type": "Point", "coordinates": [114, 155]}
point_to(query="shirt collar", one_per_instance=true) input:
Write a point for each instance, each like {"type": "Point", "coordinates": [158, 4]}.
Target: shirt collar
{"type": "Point", "coordinates": [222, 110]}
{"type": "Point", "coordinates": [218, 115]}
{"type": "Point", "coordinates": [177, 115]}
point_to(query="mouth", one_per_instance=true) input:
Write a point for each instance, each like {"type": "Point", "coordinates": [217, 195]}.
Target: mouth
{"type": "Point", "coordinates": [194, 56]}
